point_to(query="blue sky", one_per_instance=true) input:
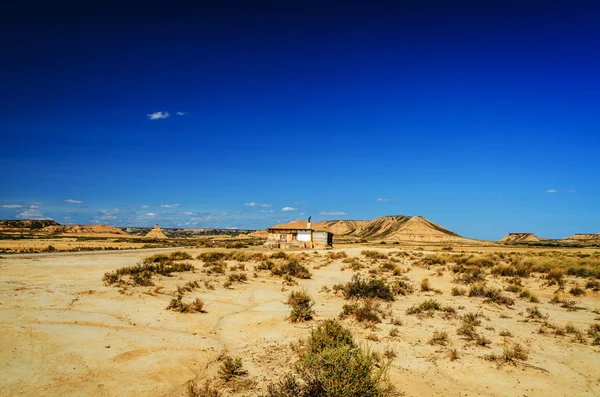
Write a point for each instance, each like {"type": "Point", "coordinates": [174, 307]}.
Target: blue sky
{"type": "Point", "coordinates": [484, 118]}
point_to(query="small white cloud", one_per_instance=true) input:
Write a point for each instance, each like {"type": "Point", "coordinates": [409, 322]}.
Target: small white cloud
{"type": "Point", "coordinates": [144, 206]}
{"type": "Point", "coordinates": [158, 115]}
{"type": "Point", "coordinates": [253, 204]}
{"type": "Point", "coordinates": [30, 212]}
{"type": "Point", "coordinates": [169, 205]}
{"type": "Point", "coordinates": [267, 211]}
{"type": "Point", "coordinates": [181, 113]}
{"type": "Point", "coordinates": [382, 200]}
{"type": "Point", "coordinates": [333, 213]}
{"type": "Point", "coordinates": [12, 206]}
{"type": "Point", "coordinates": [71, 201]}
{"type": "Point", "coordinates": [551, 191]}
{"type": "Point", "coordinates": [289, 209]}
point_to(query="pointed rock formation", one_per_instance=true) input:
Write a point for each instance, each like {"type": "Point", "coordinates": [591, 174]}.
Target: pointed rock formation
{"type": "Point", "coordinates": [155, 233]}
{"type": "Point", "coordinates": [520, 237]}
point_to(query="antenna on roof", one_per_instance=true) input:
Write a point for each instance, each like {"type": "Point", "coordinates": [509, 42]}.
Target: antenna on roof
{"type": "Point", "coordinates": [308, 224]}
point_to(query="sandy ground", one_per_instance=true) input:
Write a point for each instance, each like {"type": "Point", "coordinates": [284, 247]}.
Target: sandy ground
{"type": "Point", "coordinates": [63, 332]}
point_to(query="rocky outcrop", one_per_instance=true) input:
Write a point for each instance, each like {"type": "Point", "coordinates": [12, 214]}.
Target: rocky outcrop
{"type": "Point", "coordinates": [520, 238]}
{"type": "Point", "coordinates": [155, 233]}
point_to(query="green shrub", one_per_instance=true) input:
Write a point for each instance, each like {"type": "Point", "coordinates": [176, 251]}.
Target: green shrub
{"type": "Point", "coordinates": [333, 365]}
{"type": "Point", "coordinates": [301, 304]}
{"type": "Point", "coordinates": [458, 291]}
{"type": "Point", "coordinates": [429, 306]}
{"type": "Point", "coordinates": [231, 367]}
{"type": "Point", "coordinates": [368, 311]}
{"type": "Point", "coordinates": [374, 254]}
{"type": "Point", "coordinates": [528, 295]}
{"type": "Point", "coordinates": [367, 288]}
{"type": "Point", "coordinates": [178, 305]}
{"type": "Point", "coordinates": [492, 295]}
{"type": "Point", "coordinates": [193, 390]}
{"type": "Point", "coordinates": [292, 268]}
{"type": "Point", "coordinates": [439, 338]}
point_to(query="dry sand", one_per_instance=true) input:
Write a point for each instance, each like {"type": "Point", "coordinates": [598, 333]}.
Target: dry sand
{"type": "Point", "coordinates": [64, 333]}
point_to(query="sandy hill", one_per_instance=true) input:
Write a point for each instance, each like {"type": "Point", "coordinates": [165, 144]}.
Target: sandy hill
{"type": "Point", "coordinates": [387, 228]}
{"type": "Point", "coordinates": [520, 237]}
{"type": "Point", "coordinates": [21, 226]}
{"type": "Point", "coordinates": [583, 237]}
{"type": "Point", "coordinates": [83, 230]}
{"type": "Point", "coordinates": [156, 233]}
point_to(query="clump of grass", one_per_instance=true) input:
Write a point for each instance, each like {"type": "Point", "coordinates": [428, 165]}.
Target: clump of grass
{"type": "Point", "coordinates": [237, 278]}
{"type": "Point", "coordinates": [528, 295]}
{"type": "Point", "coordinates": [374, 254]}
{"type": "Point", "coordinates": [593, 284]}
{"type": "Point", "coordinates": [467, 328]}
{"type": "Point", "coordinates": [359, 287]}
{"type": "Point", "coordinates": [337, 255]}
{"type": "Point", "coordinates": [292, 268]}
{"type": "Point", "coordinates": [458, 291]}
{"type": "Point", "coordinates": [468, 275]}
{"type": "Point", "coordinates": [594, 332]}
{"type": "Point", "coordinates": [439, 338]}
{"type": "Point", "coordinates": [193, 390]}
{"type": "Point", "coordinates": [332, 364]}
{"type": "Point", "coordinates": [230, 368]}
{"type": "Point", "coordinates": [141, 273]}
{"type": "Point", "coordinates": [368, 311]}
{"type": "Point", "coordinates": [403, 288]}
{"type": "Point", "coordinates": [453, 354]}
{"type": "Point", "coordinates": [301, 303]}
{"type": "Point", "coordinates": [428, 307]}
{"type": "Point", "coordinates": [535, 313]}
{"type": "Point", "coordinates": [394, 332]}
{"type": "Point", "coordinates": [491, 295]}
{"type": "Point", "coordinates": [577, 291]}
{"type": "Point", "coordinates": [178, 305]}
{"type": "Point", "coordinates": [510, 354]}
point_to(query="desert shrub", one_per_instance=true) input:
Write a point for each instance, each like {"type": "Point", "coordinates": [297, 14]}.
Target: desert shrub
{"type": "Point", "coordinates": [593, 284]}
{"type": "Point", "coordinates": [178, 305]}
{"type": "Point", "coordinates": [458, 291]}
{"type": "Point", "coordinates": [213, 256]}
{"type": "Point", "coordinates": [368, 311]}
{"type": "Point", "coordinates": [491, 295]}
{"type": "Point", "coordinates": [231, 367]}
{"type": "Point", "coordinates": [555, 276]}
{"type": "Point", "coordinates": [570, 305]}
{"type": "Point", "coordinates": [505, 333]}
{"type": "Point", "coordinates": [142, 273]}
{"type": "Point", "coordinates": [301, 304]}
{"type": "Point", "coordinates": [430, 260]}
{"type": "Point", "coordinates": [468, 324]}
{"type": "Point", "coordinates": [279, 255]}
{"type": "Point", "coordinates": [394, 332]}
{"type": "Point", "coordinates": [179, 256]}
{"type": "Point", "coordinates": [333, 365]}
{"type": "Point", "coordinates": [425, 285]}
{"type": "Point", "coordinates": [453, 354]}
{"type": "Point", "coordinates": [402, 288]}
{"type": "Point", "coordinates": [513, 288]}
{"type": "Point", "coordinates": [237, 278]}
{"type": "Point", "coordinates": [515, 352]}
{"type": "Point", "coordinates": [292, 268]}
{"type": "Point", "coordinates": [193, 390]}
{"type": "Point", "coordinates": [439, 338]}
{"type": "Point", "coordinates": [577, 291]}
{"type": "Point", "coordinates": [337, 255]}
{"type": "Point", "coordinates": [468, 275]}
{"type": "Point", "coordinates": [428, 307]}
{"type": "Point", "coordinates": [481, 261]}
{"type": "Point", "coordinates": [266, 265]}
{"type": "Point", "coordinates": [367, 288]}
{"type": "Point", "coordinates": [535, 313]}
{"type": "Point", "coordinates": [528, 295]}
{"type": "Point", "coordinates": [374, 254]}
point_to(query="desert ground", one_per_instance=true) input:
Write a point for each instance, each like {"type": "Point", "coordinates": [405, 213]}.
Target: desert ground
{"type": "Point", "coordinates": [69, 329]}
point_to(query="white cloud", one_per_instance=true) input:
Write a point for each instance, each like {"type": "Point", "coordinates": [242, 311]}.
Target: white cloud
{"type": "Point", "coordinates": [551, 191]}
{"type": "Point", "coordinates": [12, 206]}
{"type": "Point", "coordinates": [71, 201]}
{"type": "Point", "coordinates": [253, 204]}
{"type": "Point", "coordinates": [158, 115]}
{"type": "Point", "coordinates": [382, 200]}
{"type": "Point", "coordinates": [333, 213]}
{"type": "Point", "coordinates": [289, 209]}
{"type": "Point", "coordinates": [169, 205]}
{"type": "Point", "coordinates": [30, 212]}
{"type": "Point", "coordinates": [181, 113]}
{"type": "Point", "coordinates": [267, 211]}
{"type": "Point", "coordinates": [144, 206]}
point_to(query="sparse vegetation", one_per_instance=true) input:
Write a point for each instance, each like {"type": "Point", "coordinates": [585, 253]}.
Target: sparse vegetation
{"type": "Point", "coordinates": [178, 305]}
{"type": "Point", "coordinates": [301, 303]}
{"type": "Point", "coordinates": [491, 294]}
{"type": "Point", "coordinates": [428, 307]}
{"type": "Point", "coordinates": [230, 368]}
{"type": "Point", "coordinates": [141, 274]}
{"type": "Point", "coordinates": [458, 291]}
{"type": "Point", "coordinates": [331, 364]}
{"type": "Point", "coordinates": [292, 268]}
{"type": "Point", "coordinates": [360, 287]}
{"type": "Point", "coordinates": [439, 338]}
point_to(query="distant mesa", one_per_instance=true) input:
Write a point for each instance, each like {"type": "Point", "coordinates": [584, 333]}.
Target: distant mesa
{"type": "Point", "coordinates": [52, 228]}
{"type": "Point", "coordinates": [520, 238]}
{"type": "Point", "coordinates": [583, 237]}
{"type": "Point", "coordinates": [156, 233]}
{"type": "Point", "coordinates": [389, 229]}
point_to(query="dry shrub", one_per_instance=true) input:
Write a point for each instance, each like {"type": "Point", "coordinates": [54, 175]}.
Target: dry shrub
{"type": "Point", "coordinates": [230, 368]}
{"type": "Point", "coordinates": [439, 338]}
{"type": "Point", "coordinates": [368, 311]}
{"type": "Point", "coordinates": [367, 288]}
{"type": "Point", "coordinates": [301, 303]}
{"type": "Point", "coordinates": [178, 305]}
{"type": "Point", "coordinates": [491, 295]}
{"type": "Point", "coordinates": [292, 268]}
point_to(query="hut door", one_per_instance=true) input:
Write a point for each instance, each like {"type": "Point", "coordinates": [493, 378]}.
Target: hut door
{"type": "Point", "coordinates": [282, 238]}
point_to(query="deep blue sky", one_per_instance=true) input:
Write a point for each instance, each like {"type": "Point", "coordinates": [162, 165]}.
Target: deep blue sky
{"type": "Point", "coordinates": [483, 117]}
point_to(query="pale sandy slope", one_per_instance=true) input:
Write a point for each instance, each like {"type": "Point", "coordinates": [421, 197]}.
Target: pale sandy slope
{"type": "Point", "coordinates": [64, 333]}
